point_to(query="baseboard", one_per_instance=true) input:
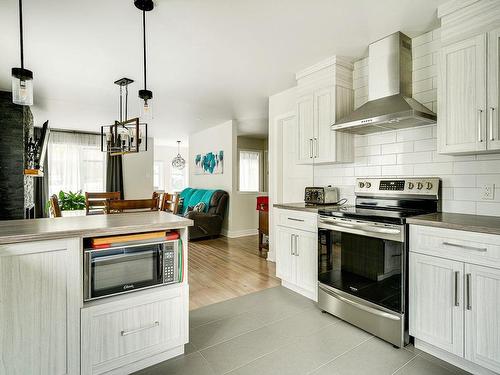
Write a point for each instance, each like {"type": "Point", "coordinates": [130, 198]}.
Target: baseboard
{"type": "Point", "coordinates": [452, 358]}
{"type": "Point", "coordinates": [239, 233]}
{"type": "Point", "coordinates": [298, 289]}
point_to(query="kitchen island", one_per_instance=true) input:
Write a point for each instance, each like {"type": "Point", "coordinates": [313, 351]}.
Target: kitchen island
{"type": "Point", "coordinates": [45, 325]}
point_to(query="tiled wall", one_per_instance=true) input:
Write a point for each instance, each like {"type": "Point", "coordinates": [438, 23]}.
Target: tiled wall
{"type": "Point", "coordinates": [412, 152]}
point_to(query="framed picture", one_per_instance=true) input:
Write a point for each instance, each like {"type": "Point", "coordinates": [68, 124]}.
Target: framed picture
{"type": "Point", "coordinates": [209, 163]}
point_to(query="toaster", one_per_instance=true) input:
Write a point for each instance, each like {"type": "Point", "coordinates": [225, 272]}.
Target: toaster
{"type": "Point", "coordinates": [321, 195]}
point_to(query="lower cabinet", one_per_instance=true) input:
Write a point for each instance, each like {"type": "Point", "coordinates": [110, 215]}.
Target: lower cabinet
{"type": "Point", "coordinates": [455, 304]}
{"type": "Point", "coordinates": [40, 299]}
{"type": "Point", "coordinates": [117, 335]}
{"type": "Point", "coordinates": [296, 260]}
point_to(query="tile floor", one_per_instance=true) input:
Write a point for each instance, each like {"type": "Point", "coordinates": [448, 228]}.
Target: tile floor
{"type": "Point", "coordinates": [278, 332]}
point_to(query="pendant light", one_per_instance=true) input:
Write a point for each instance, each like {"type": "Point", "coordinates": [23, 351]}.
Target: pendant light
{"type": "Point", "coordinates": [145, 94]}
{"type": "Point", "coordinates": [178, 162]}
{"type": "Point", "coordinates": [22, 79]}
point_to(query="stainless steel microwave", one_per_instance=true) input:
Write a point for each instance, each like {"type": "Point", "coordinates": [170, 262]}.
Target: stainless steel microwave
{"type": "Point", "coordinates": [122, 269]}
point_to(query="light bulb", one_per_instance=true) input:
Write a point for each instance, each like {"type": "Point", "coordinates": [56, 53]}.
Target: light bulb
{"type": "Point", "coordinates": [22, 87]}
{"type": "Point", "coordinates": [146, 110]}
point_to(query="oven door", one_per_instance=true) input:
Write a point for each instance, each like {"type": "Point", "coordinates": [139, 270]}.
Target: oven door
{"type": "Point", "coordinates": [364, 260]}
{"type": "Point", "coordinates": [119, 270]}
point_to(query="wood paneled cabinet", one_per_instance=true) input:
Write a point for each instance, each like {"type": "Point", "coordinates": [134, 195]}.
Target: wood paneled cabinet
{"type": "Point", "coordinates": [296, 259]}
{"type": "Point", "coordinates": [454, 304]}
{"type": "Point", "coordinates": [468, 95]}
{"type": "Point", "coordinates": [324, 94]}
{"type": "Point", "coordinates": [40, 298]}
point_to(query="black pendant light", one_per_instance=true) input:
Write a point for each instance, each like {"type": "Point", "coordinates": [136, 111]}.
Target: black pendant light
{"type": "Point", "coordinates": [22, 79]}
{"type": "Point", "coordinates": [145, 94]}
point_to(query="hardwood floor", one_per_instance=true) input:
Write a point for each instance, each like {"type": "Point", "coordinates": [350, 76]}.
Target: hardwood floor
{"type": "Point", "coordinates": [225, 268]}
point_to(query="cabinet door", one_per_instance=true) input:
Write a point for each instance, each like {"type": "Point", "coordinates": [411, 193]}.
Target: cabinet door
{"type": "Point", "coordinates": [305, 122]}
{"type": "Point", "coordinates": [285, 262]}
{"type": "Point", "coordinates": [462, 97]}
{"type": "Point", "coordinates": [40, 296]}
{"type": "Point", "coordinates": [493, 114]}
{"type": "Point", "coordinates": [436, 311]}
{"type": "Point", "coordinates": [324, 138]}
{"type": "Point", "coordinates": [482, 316]}
{"type": "Point", "coordinates": [306, 250]}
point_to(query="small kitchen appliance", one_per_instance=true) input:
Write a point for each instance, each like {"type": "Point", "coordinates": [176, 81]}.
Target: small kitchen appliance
{"type": "Point", "coordinates": [321, 195]}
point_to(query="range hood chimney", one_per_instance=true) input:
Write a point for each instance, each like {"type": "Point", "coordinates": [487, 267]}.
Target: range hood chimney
{"type": "Point", "coordinates": [390, 105]}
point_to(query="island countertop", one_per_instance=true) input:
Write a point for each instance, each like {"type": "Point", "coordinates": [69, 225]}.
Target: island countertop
{"type": "Point", "coordinates": [14, 231]}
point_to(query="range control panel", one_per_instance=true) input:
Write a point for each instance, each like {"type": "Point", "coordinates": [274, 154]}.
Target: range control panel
{"type": "Point", "coordinates": [425, 186]}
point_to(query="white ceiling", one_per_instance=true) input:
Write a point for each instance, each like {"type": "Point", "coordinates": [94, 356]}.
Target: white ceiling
{"type": "Point", "coordinates": [209, 60]}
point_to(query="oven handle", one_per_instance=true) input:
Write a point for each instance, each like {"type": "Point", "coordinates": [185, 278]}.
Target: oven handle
{"type": "Point", "coordinates": [362, 228]}
{"type": "Point", "coordinates": [360, 306]}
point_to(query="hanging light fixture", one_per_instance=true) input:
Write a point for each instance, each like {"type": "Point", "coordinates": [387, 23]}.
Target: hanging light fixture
{"type": "Point", "coordinates": [22, 79]}
{"type": "Point", "coordinates": [127, 135]}
{"type": "Point", "coordinates": [145, 94]}
{"type": "Point", "coordinates": [178, 162]}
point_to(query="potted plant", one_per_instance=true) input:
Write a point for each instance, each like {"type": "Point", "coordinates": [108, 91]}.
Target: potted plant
{"type": "Point", "coordinates": [71, 204]}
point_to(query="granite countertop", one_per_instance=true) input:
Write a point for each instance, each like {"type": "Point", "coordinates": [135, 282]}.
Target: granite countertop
{"type": "Point", "coordinates": [464, 222]}
{"type": "Point", "coordinates": [304, 207]}
{"type": "Point", "coordinates": [13, 231]}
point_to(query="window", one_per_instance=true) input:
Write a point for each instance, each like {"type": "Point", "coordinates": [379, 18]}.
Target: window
{"type": "Point", "coordinates": [158, 175]}
{"type": "Point", "coordinates": [76, 162]}
{"type": "Point", "coordinates": [249, 170]}
{"type": "Point", "coordinates": [178, 178]}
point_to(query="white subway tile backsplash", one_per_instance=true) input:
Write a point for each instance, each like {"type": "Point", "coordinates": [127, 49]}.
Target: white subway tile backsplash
{"type": "Point", "coordinates": [380, 138]}
{"type": "Point", "coordinates": [422, 62]}
{"type": "Point", "coordinates": [397, 170]}
{"type": "Point", "coordinates": [424, 73]}
{"type": "Point", "coordinates": [368, 150]}
{"type": "Point", "coordinates": [413, 134]}
{"type": "Point", "coordinates": [423, 85]}
{"type": "Point", "coordinates": [433, 169]}
{"type": "Point", "coordinates": [437, 157]}
{"type": "Point", "coordinates": [447, 193]}
{"type": "Point", "coordinates": [467, 194]}
{"type": "Point", "coordinates": [398, 148]}
{"type": "Point", "coordinates": [488, 179]}
{"type": "Point", "coordinates": [461, 207]}
{"type": "Point", "coordinates": [359, 140]}
{"type": "Point", "coordinates": [477, 167]}
{"type": "Point", "coordinates": [368, 171]}
{"type": "Point", "coordinates": [426, 144]}
{"type": "Point", "coordinates": [415, 157]}
{"type": "Point", "coordinates": [426, 96]}
{"type": "Point", "coordinates": [381, 159]}
{"type": "Point", "coordinates": [458, 180]}
{"type": "Point", "coordinates": [422, 39]}
{"type": "Point", "coordinates": [425, 49]}
{"type": "Point", "coordinates": [488, 208]}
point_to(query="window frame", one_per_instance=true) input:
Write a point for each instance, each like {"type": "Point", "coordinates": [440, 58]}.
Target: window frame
{"type": "Point", "coordinates": [260, 183]}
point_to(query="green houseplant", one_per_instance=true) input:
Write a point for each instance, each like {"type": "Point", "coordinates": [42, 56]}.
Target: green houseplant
{"type": "Point", "coordinates": [69, 201]}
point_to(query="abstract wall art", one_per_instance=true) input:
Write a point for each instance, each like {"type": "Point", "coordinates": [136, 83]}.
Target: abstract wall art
{"type": "Point", "coordinates": [209, 163]}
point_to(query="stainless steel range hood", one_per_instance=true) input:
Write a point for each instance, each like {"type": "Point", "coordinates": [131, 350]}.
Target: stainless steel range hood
{"type": "Point", "coordinates": [390, 105]}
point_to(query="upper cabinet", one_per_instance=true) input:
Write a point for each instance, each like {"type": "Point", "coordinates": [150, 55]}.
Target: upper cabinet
{"type": "Point", "coordinates": [468, 121]}
{"type": "Point", "coordinates": [324, 94]}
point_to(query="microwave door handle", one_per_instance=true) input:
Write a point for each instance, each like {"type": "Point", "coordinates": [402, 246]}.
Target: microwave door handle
{"type": "Point", "coordinates": [121, 256]}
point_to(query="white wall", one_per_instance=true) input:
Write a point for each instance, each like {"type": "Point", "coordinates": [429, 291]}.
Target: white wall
{"type": "Point", "coordinates": [413, 152]}
{"type": "Point", "coordinates": [220, 137]}
{"type": "Point", "coordinates": [138, 173]}
{"type": "Point", "coordinates": [166, 155]}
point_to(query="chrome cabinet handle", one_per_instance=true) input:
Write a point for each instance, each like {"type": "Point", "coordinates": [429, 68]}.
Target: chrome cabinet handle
{"type": "Point", "coordinates": [482, 249]}
{"type": "Point", "coordinates": [492, 114]}
{"type": "Point", "coordinates": [468, 291]}
{"type": "Point", "coordinates": [316, 148]}
{"type": "Point", "coordinates": [310, 148]}
{"type": "Point", "coordinates": [291, 244]}
{"type": "Point", "coordinates": [294, 219]}
{"type": "Point", "coordinates": [480, 135]}
{"type": "Point", "coordinates": [126, 333]}
{"type": "Point", "coordinates": [296, 245]}
{"type": "Point", "coordinates": [457, 275]}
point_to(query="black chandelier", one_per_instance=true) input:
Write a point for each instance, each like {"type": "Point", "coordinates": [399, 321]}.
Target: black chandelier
{"type": "Point", "coordinates": [145, 94]}
{"type": "Point", "coordinates": [127, 135]}
{"type": "Point", "coordinates": [22, 79]}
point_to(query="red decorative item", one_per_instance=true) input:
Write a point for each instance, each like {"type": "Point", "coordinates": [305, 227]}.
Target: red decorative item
{"type": "Point", "coordinates": [263, 204]}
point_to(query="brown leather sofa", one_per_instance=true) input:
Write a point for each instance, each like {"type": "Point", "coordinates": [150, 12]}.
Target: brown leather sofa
{"type": "Point", "coordinates": [209, 224]}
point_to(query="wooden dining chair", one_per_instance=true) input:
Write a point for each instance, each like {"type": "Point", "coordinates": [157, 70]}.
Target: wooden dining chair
{"type": "Point", "coordinates": [95, 203]}
{"type": "Point", "coordinates": [116, 206]}
{"type": "Point", "coordinates": [170, 203]}
{"type": "Point", "coordinates": [55, 210]}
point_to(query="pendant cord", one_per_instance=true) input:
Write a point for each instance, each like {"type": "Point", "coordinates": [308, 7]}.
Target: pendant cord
{"type": "Point", "coordinates": [121, 106]}
{"type": "Point", "coordinates": [144, 43]}
{"type": "Point", "coordinates": [21, 32]}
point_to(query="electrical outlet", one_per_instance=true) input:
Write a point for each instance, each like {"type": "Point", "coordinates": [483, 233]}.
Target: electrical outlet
{"type": "Point", "coordinates": [488, 192]}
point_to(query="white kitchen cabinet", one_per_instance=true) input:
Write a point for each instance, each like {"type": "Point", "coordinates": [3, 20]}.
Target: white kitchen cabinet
{"type": "Point", "coordinates": [436, 311]}
{"type": "Point", "coordinates": [296, 252]}
{"type": "Point", "coordinates": [468, 95]}
{"type": "Point", "coordinates": [121, 336]}
{"type": "Point", "coordinates": [324, 95]}
{"type": "Point", "coordinates": [482, 316]}
{"type": "Point", "coordinates": [40, 299]}
{"type": "Point", "coordinates": [454, 296]}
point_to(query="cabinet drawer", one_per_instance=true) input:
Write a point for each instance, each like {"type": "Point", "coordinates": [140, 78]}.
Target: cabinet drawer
{"type": "Point", "coordinates": [470, 247]}
{"type": "Point", "coordinates": [122, 333]}
{"type": "Point", "coordinates": [307, 221]}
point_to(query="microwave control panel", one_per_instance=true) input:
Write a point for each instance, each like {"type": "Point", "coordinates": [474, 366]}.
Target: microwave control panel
{"type": "Point", "coordinates": [169, 265]}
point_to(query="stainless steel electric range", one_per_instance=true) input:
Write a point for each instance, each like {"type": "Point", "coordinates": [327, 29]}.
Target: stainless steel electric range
{"type": "Point", "coordinates": [363, 254]}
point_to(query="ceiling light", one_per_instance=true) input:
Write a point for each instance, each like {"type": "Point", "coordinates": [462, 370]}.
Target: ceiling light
{"type": "Point", "coordinates": [178, 162]}
{"type": "Point", "coordinates": [145, 94]}
{"type": "Point", "coordinates": [22, 79]}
